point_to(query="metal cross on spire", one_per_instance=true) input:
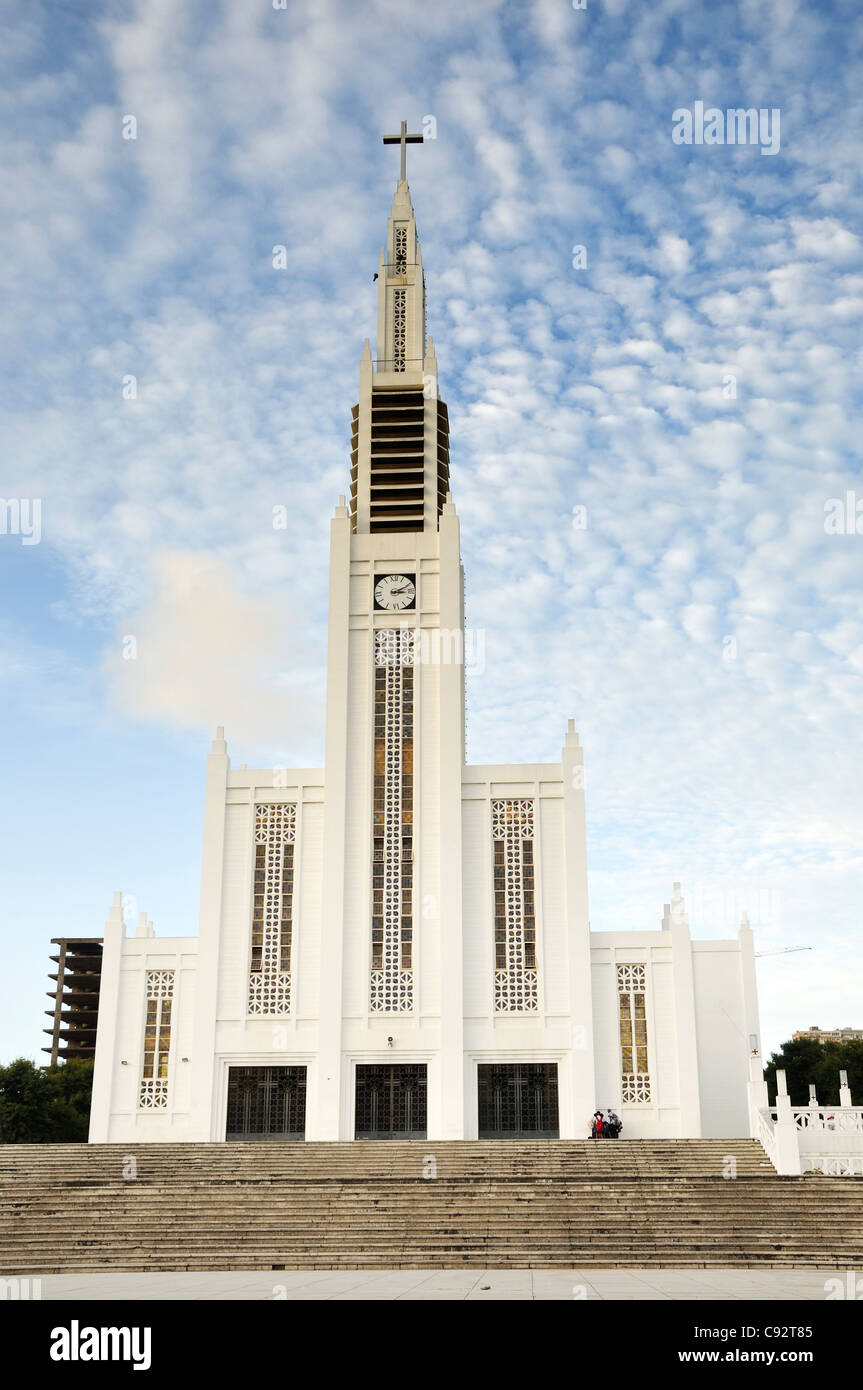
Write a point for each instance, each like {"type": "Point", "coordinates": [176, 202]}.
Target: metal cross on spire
{"type": "Point", "coordinates": [404, 140]}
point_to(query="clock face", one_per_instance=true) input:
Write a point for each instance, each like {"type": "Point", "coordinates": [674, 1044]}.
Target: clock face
{"type": "Point", "coordinates": [394, 592]}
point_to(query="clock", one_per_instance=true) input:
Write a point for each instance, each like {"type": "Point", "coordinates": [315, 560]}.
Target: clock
{"type": "Point", "coordinates": [394, 592]}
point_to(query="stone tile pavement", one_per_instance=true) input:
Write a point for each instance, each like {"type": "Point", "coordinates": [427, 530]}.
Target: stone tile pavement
{"type": "Point", "coordinates": [670, 1285]}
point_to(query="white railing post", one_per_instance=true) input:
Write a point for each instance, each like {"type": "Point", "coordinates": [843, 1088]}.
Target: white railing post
{"type": "Point", "coordinates": [757, 1090]}
{"type": "Point", "coordinates": [787, 1143]}
{"type": "Point", "coordinates": [761, 1125]}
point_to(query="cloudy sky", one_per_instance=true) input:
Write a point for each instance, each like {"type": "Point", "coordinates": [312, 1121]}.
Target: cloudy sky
{"type": "Point", "coordinates": [645, 434]}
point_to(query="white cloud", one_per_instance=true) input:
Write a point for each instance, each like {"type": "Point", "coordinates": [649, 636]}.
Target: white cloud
{"type": "Point", "coordinates": [675, 253]}
{"type": "Point", "coordinates": [205, 651]}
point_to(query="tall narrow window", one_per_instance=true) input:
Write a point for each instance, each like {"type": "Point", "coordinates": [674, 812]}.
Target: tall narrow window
{"type": "Point", "coordinates": [632, 1007]}
{"type": "Point", "coordinates": [153, 1094]}
{"type": "Point", "coordinates": [272, 909]}
{"type": "Point", "coordinates": [516, 980]}
{"type": "Point", "coordinates": [400, 249]}
{"type": "Point", "coordinates": [399, 297]}
{"type": "Point", "coordinates": [391, 984]}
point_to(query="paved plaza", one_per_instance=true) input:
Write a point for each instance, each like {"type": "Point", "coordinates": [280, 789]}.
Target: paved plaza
{"type": "Point", "coordinates": [673, 1285]}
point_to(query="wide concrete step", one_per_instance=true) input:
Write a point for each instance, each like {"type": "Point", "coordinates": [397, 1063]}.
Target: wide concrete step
{"type": "Point", "coordinates": [365, 1205]}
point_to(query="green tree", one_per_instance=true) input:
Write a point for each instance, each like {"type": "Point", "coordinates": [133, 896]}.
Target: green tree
{"type": "Point", "coordinates": [809, 1063]}
{"type": "Point", "coordinates": [70, 1111]}
{"type": "Point", "coordinates": [45, 1105]}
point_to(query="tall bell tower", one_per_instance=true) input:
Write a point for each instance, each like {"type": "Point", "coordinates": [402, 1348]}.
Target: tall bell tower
{"type": "Point", "coordinates": [391, 966]}
{"type": "Point", "coordinates": [400, 426]}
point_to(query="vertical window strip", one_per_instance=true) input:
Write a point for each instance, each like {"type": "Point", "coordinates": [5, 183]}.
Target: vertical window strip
{"type": "Point", "coordinates": [400, 249]}
{"type": "Point", "coordinates": [391, 981]}
{"type": "Point", "coordinates": [272, 909]}
{"type": "Point", "coordinates": [399, 299]}
{"type": "Point", "coordinates": [632, 1016]}
{"type": "Point", "coordinates": [516, 978]}
{"type": "Point", "coordinates": [153, 1093]}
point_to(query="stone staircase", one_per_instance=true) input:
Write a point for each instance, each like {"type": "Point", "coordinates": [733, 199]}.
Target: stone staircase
{"type": "Point", "coordinates": [493, 1205]}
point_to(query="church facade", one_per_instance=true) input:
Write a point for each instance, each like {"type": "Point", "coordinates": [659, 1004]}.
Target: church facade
{"type": "Point", "coordinates": [398, 945]}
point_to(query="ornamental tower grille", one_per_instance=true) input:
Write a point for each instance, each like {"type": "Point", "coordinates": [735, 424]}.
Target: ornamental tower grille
{"type": "Point", "coordinates": [153, 1094]}
{"type": "Point", "coordinates": [391, 980]}
{"type": "Point", "coordinates": [632, 1007]}
{"type": "Point", "coordinates": [516, 979]}
{"type": "Point", "coordinates": [398, 330]}
{"type": "Point", "coordinates": [400, 252]}
{"type": "Point", "coordinates": [272, 909]}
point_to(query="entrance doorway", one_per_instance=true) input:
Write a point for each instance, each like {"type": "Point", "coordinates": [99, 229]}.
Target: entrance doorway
{"type": "Point", "coordinates": [391, 1102]}
{"type": "Point", "coordinates": [266, 1103]}
{"type": "Point", "coordinates": [518, 1100]}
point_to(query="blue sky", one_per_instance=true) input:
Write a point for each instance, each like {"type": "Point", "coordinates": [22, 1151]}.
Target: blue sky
{"type": "Point", "coordinates": [703, 628]}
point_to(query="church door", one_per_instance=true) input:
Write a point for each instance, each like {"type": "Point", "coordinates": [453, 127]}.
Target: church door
{"type": "Point", "coordinates": [391, 1102]}
{"type": "Point", "coordinates": [518, 1100]}
{"type": "Point", "coordinates": [266, 1103]}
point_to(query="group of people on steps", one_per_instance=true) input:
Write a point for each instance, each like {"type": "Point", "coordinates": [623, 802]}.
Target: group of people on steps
{"type": "Point", "coordinates": [607, 1126]}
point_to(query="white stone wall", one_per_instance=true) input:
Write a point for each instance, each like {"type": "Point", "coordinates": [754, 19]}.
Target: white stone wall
{"type": "Point", "coordinates": [723, 1044]}
{"type": "Point", "coordinates": [660, 1117]}
{"type": "Point", "coordinates": [717, 1044]}
{"type": "Point", "coordinates": [116, 1115]}
{"type": "Point", "coordinates": [722, 981]}
{"type": "Point", "coordinates": [547, 1035]}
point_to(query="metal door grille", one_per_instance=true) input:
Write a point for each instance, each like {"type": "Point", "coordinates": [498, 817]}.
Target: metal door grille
{"type": "Point", "coordinates": [391, 1102]}
{"type": "Point", "coordinates": [266, 1103]}
{"type": "Point", "coordinates": [518, 1100]}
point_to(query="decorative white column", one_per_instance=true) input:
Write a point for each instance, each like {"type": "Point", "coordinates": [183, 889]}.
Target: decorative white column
{"type": "Point", "coordinates": [757, 1086]}
{"type": "Point", "coordinates": [325, 1091]}
{"type": "Point", "coordinates": [844, 1091]}
{"type": "Point", "coordinates": [746, 939]}
{"type": "Point", "coordinates": [364, 436]}
{"type": "Point", "coordinates": [676, 923]}
{"type": "Point", "coordinates": [451, 674]}
{"type": "Point", "coordinates": [575, 1115]}
{"type": "Point", "coordinates": [106, 1033]}
{"type": "Point", "coordinates": [202, 1121]}
{"type": "Point", "coordinates": [787, 1144]}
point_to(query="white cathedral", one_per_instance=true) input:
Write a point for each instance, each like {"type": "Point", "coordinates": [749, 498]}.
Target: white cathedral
{"type": "Point", "coordinates": [397, 945]}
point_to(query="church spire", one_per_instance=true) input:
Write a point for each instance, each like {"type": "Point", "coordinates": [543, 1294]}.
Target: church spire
{"type": "Point", "coordinates": [400, 432]}
{"type": "Point", "coordinates": [401, 292]}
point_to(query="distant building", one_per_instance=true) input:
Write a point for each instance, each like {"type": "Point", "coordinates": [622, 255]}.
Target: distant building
{"type": "Point", "coordinates": [832, 1035]}
{"type": "Point", "coordinates": [75, 999]}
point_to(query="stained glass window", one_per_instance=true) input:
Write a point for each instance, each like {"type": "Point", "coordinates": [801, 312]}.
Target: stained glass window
{"type": "Point", "coordinates": [632, 1015]}
{"type": "Point", "coordinates": [391, 981]}
{"type": "Point", "coordinates": [272, 909]}
{"type": "Point", "coordinates": [153, 1093]}
{"type": "Point", "coordinates": [516, 980]}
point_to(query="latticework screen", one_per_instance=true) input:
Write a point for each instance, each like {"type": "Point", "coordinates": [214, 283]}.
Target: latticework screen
{"type": "Point", "coordinates": [272, 909]}
{"type": "Point", "coordinates": [632, 1007]}
{"type": "Point", "coordinates": [516, 978]}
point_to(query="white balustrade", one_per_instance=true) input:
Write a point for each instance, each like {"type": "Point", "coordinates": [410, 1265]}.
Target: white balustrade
{"type": "Point", "coordinates": [834, 1166]}
{"type": "Point", "coordinates": [839, 1121]}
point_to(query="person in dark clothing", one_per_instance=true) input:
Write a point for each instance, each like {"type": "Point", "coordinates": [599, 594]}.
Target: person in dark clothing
{"type": "Point", "coordinates": [613, 1125]}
